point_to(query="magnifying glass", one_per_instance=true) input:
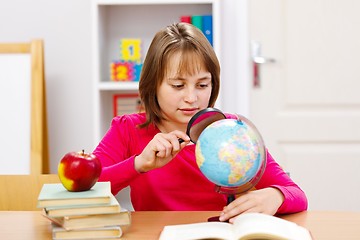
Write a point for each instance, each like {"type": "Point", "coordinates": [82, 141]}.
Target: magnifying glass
{"type": "Point", "coordinates": [201, 120]}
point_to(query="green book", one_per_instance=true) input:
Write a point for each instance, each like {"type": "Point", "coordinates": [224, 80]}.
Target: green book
{"type": "Point", "coordinates": [197, 21]}
{"type": "Point", "coordinates": [54, 194]}
{"type": "Point", "coordinates": [77, 210]}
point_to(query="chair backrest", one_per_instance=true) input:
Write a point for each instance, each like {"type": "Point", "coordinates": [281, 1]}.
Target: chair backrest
{"type": "Point", "coordinates": [20, 192]}
{"type": "Point", "coordinates": [23, 125]}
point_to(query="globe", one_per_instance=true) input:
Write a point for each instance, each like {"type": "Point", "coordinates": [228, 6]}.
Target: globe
{"type": "Point", "coordinates": [231, 154]}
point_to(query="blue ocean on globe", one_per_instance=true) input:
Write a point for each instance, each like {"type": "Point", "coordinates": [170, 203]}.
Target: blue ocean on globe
{"type": "Point", "coordinates": [230, 152]}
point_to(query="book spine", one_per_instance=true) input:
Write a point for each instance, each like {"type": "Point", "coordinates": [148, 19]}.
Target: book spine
{"type": "Point", "coordinates": [196, 20]}
{"type": "Point", "coordinates": [185, 19]}
{"type": "Point", "coordinates": [207, 28]}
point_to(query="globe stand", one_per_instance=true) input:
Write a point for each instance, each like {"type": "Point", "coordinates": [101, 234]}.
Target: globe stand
{"type": "Point", "coordinates": [231, 193]}
{"type": "Point", "coordinates": [230, 198]}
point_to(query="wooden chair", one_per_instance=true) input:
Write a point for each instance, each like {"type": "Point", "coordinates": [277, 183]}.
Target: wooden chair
{"type": "Point", "coordinates": [39, 156]}
{"type": "Point", "coordinates": [20, 192]}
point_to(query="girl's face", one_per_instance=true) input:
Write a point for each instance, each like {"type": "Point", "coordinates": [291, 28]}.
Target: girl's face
{"type": "Point", "coordinates": [180, 96]}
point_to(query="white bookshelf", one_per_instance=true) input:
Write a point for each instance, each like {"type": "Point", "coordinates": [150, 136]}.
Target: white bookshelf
{"type": "Point", "coordinates": [116, 19]}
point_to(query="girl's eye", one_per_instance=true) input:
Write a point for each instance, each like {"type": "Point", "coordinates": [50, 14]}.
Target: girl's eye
{"type": "Point", "coordinates": [203, 85]}
{"type": "Point", "coordinates": [177, 86]}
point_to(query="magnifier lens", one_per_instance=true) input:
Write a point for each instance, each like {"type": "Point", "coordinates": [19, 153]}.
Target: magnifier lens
{"type": "Point", "coordinates": [201, 120]}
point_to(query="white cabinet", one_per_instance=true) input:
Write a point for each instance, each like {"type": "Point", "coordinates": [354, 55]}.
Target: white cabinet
{"type": "Point", "coordinates": [117, 19]}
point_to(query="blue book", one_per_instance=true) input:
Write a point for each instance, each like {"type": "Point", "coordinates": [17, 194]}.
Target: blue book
{"type": "Point", "coordinates": [207, 27]}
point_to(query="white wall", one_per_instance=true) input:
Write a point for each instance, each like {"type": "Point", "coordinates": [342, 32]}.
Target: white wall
{"type": "Point", "coordinates": [65, 27]}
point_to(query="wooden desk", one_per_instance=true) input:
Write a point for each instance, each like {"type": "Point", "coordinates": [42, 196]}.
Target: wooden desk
{"type": "Point", "coordinates": [148, 225]}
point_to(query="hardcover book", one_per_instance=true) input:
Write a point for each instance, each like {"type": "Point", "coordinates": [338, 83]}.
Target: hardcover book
{"type": "Point", "coordinates": [197, 21]}
{"type": "Point", "coordinates": [207, 28]}
{"type": "Point", "coordinates": [113, 232]}
{"type": "Point", "coordinates": [74, 210]}
{"type": "Point", "coordinates": [54, 194]}
{"type": "Point", "coordinates": [122, 218]}
{"type": "Point", "coordinates": [185, 18]}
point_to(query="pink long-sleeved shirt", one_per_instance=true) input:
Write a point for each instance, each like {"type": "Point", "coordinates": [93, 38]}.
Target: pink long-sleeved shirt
{"type": "Point", "coordinates": [179, 185]}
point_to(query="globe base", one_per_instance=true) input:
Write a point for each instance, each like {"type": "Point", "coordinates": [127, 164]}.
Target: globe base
{"type": "Point", "coordinates": [214, 219]}
{"type": "Point", "coordinates": [234, 190]}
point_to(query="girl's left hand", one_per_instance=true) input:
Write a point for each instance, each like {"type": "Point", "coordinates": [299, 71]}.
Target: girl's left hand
{"type": "Point", "coordinates": [267, 200]}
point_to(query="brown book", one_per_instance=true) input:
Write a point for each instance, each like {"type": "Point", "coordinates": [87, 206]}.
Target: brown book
{"type": "Point", "coordinates": [122, 218]}
{"type": "Point", "coordinates": [76, 210]}
{"type": "Point", "coordinates": [113, 232]}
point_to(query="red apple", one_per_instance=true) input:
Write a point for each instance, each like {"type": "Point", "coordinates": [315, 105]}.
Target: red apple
{"type": "Point", "coordinates": [79, 171]}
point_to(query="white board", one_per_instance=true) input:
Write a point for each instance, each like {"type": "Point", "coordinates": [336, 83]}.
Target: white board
{"type": "Point", "coordinates": [15, 105]}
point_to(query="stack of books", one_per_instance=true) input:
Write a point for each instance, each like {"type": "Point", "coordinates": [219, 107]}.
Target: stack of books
{"type": "Point", "coordinates": [92, 214]}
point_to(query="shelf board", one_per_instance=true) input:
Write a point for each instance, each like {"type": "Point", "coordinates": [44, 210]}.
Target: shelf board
{"type": "Point", "coordinates": [142, 2]}
{"type": "Point", "coordinates": [131, 86]}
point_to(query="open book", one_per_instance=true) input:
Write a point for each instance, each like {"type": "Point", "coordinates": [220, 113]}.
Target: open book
{"type": "Point", "coordinates": [247, 226]}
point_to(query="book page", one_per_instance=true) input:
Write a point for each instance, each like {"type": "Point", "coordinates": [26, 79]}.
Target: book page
{"type": "Point", "coordinates": [257, 225]}
{"type": "Point", "coordinates": [205, 230]}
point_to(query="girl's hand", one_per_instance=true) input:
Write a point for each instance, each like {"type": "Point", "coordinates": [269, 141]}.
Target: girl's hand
{"type": "Point", "coordinates": [160, 150]}
{"type": "Point", "coordinates": [267, 200]}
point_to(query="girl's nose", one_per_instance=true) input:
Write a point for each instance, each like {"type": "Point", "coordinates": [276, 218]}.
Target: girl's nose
{"type": "Point", "coordinates": [190, 96]}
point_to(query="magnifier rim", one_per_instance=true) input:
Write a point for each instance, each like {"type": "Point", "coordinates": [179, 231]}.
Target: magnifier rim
{"type": "Point", "coordinates": [195, 117]}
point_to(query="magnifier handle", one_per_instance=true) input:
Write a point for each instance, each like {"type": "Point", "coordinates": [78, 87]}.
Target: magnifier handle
{"type": "Point", "coordinates": [180, 141]}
